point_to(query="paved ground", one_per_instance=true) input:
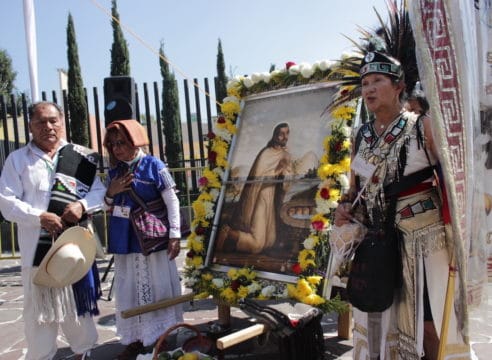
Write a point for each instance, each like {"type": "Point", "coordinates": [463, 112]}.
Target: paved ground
{"type": "Point", "coordinates": [200, 314]}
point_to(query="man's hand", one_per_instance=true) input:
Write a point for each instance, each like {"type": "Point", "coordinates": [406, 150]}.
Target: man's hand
{"type": "Point", "coordinates": [72, 213]}
{"type": "Point", "coordinates": [51, 222]}
{"type": "Point", "coordinates": [173, 248]}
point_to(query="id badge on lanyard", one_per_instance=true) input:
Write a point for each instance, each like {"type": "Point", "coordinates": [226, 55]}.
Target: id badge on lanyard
{"type": "Point", "coordinates": [121, 211]}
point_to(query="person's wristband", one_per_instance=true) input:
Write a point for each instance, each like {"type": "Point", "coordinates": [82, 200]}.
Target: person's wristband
{"type": "Point", "coordinates": [108, 200]}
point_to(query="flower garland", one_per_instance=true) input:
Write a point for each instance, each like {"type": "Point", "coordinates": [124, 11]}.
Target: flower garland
{"type": "Point", "coordinates": [334, 165]}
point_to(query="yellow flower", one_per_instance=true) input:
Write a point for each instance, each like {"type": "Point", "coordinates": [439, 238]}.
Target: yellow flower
{"type": "Point", "coordinates": [314, 279]}
{"type": "Point", "coordinates": [212, 179]}
{"type": "Point", "coordinates": [345, 164]}
{"type": "Point", "coordinates": [197, 261]}
{"type": "Point", "coordinates": [334, 194]}
{"type": "Point", "coordinates": [242, 292]}
{"type": "Point", "coordinates": [234, 91]}
{"type": "Point", "coordinates": [346, 145]}
{"type": "Point", "coordinates": [231, 127]}
{"type": "Point", "coordinates": [319, 217]}
{"type": "Point", "coordinates": [232, 274]}
{"type": "Point", "coordinates": [207, 276]}
{"type": "Point", "coordinates": [195, 245]}
{"type": "Point", "coordinates": [325, 170]}
{"type": "Point", "coordinates": [198, 209]}
{"type": "Point", "coordinates": [306, 258]}
{"type": "Point", "coordinates": [343, 112]}
{"type": "Point", "coordinates": [326, 142]}
{"type": "Point", "coordinates": [231, 107]}
{"type": "Point", "coordinates": [196, 222]}
{"type": "Point", "coordinates": [303, 288]}
{"type": "Point", "coordinates": [307, 263]}
{"type": "Point", "coordinates": [313, 299]}
{"type": "Point", "coordinates": [247, 273]}
{"type": "Point", "coordinates": [292, 291]}
{"type": "Point", "coordinates": [205, 197]}
{"type": "Point", "coordinates": [229, 295]}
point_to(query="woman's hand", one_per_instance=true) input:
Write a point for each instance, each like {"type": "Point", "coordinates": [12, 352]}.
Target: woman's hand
{"type": "Point", "coordinates": [343, 214]}
{"type": "Point", "coordinates": [119, 184]}
{"type": "Point", "coordinates": [173, 248]}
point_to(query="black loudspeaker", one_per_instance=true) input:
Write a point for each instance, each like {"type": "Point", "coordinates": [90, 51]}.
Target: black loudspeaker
{"type": "Point", "coordinates": [119, 99]}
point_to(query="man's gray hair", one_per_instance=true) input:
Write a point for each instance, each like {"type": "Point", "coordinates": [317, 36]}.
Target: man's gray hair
{"type": "Point", "coordinates": [34, 106]}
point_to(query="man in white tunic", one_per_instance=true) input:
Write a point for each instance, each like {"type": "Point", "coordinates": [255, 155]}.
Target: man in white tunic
{"type": "Point", "coordinates": [25, 193]}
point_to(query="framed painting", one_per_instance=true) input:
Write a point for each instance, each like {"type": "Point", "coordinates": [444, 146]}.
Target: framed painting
{"type": "Point", "coordinates": [277, 167]}
{"type": "Point", "coordinates": [267, 197]}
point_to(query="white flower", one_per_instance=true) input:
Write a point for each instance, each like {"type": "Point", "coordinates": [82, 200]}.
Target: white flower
{"type": "Point", "coordinates": [190, 282]}
{"type": "Point", "coordinates": [323, 206]}
{"type": "Point", "coordinates": [265, 76]}
{"type": "Point", "coordinates": [308, 243]}
{"type": "Point", "coordinates": [284, 294]}
{"type": "Point", "coordinates": [268, 291]}
{"type": "Point", "coordinates": [343, 180]}
{"type": "Point", "coordinates": [231, 99]}
{"type": "Point", "coordinates": [218, 283]}
{"type": "Point", "coordinates": [233, 83]}
{"type": "Point", "coordinates": [331, 204]}
{"type": "Point", "coordinates": [223, 133]}
{"type": "Point", "coordinates": [209, 209]}
{"type": "Point", "coordinates": [256, 78]}
{"type": "Point", "coordinates": [326, 64]}
{"type": "Point", "coordinates": [253, 287]}
{"type": "Point", "coordinates": [346, 131]}
{"type": "Point", "coordinates": [214, 193]}
{"type": "Point", "coordinates": [306, 70]}
{"type": "Point", "coordinates": [219, 171]}
{"type": "Point", "coordinates": [277, 72]}
{"type": "Point", "coordinates": [247, 82]}
{"type": "Point", "coordinates": [294, 70]}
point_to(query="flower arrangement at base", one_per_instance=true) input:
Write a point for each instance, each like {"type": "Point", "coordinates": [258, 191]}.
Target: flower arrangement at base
{"type": "Point", "coordinates": [334, 165]}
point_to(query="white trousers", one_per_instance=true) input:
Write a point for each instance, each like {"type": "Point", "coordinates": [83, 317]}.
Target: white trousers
{"type": "Point", "coordinates": [80, 334]}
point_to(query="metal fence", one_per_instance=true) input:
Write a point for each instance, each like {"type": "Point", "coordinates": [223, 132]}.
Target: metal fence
{"type": "Point", "coordinates": [198, 116]}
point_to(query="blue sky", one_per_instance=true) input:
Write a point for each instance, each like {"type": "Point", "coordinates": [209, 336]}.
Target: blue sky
{"type": "Point", "coordinates": [254, 34]}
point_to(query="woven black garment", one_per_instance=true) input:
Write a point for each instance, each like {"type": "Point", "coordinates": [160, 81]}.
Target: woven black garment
{"type": "Point", "coordinates": [296, 328]}
{"type": "Point", "coordinates": [75, 172]}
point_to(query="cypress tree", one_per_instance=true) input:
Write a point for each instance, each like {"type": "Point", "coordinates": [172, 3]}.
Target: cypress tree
{"type": "Point", "coordinates": [221, 81]}
{"type": "Point", "coordinates": [120, 58]}
{"type": "Point", "coordinates": [7, 74]}
{"type": "Point", "coordinates": [77, 104]}
{"type": "Point", "coordinates": [171, 121]}
{"type": "Point", "coordinates": [7, 78]}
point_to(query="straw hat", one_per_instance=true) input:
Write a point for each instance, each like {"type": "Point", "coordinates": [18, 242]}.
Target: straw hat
{"type": "Point", "coordinates": [68, 260]}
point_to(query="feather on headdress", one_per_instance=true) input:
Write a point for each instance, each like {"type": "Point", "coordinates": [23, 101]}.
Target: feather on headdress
{"type": "Point", "coordinates": [394, 38]}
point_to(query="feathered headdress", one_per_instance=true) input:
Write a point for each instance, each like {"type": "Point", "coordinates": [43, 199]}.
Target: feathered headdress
{"type": "Point", "coordinates": [394, 38]}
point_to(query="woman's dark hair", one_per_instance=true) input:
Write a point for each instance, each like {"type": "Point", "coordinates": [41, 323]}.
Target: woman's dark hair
{"type": "Point", "coordinates": [424, 104]}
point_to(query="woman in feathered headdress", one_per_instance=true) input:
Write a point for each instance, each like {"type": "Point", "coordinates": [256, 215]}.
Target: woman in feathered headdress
{"type": "Point", "coordinates": [393, 162]}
